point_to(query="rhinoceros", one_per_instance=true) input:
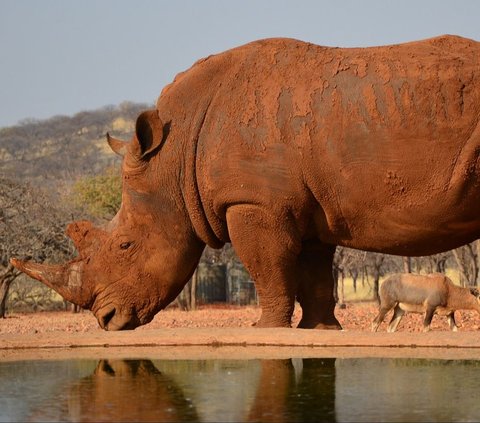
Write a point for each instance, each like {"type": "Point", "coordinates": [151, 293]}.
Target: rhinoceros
{"type": "Point", "coordinates": [286, 149]}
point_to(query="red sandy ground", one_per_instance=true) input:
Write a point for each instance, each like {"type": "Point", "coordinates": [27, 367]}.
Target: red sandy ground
{"type": "Point", "coordinates": [200, 333]}
{"type": "Point", "coordinates": [356, 316]}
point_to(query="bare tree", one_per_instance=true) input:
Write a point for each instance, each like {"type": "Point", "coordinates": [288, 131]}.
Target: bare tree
{"type": "Point", "coordinates": [350, 262]}
{"type": "Point", "coordinates": [379, 265]}
{"type": "Point", "coordinates": [187, 300]}
{"type": "Point", "coordinates": [407, 264]}
{"type": "Point", "coordinates": [7, 276]}
{"type": "Point", "coordinates": [30, 227]}
{"type": "Point", "coordinates": [468, 262]}
{"type": "Point", "coordinates": [433, 263]}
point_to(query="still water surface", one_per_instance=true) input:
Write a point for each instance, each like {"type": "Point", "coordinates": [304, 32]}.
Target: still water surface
{"type": "Point", "coordinates": [293, 390]}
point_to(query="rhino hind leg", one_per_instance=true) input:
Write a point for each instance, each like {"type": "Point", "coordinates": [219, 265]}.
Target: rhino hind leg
{"type": "Point", "coordinates": [315, 286]}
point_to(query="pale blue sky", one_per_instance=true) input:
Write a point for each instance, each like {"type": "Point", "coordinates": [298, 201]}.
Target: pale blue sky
{"type": "Point", "coordinates": [65, 56]}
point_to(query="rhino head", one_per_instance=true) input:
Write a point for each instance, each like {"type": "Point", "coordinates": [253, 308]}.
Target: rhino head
{"type": "Point", "coordinates": [139, 262]}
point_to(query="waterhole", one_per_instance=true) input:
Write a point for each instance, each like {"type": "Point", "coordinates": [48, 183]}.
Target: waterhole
{"type": "Point", "coordinates": [213, 390]}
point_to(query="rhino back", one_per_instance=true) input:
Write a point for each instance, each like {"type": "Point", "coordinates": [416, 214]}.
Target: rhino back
{"type": "Point", "coordinates": [354, 139]}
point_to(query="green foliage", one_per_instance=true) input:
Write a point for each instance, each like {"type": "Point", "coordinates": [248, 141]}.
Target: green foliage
{"type": "Point", "coordinates": [101, 195]}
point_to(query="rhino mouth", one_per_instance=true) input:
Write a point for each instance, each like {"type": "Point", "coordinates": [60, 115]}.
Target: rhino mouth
{"type": "Point", "coordinates": [111, 319]}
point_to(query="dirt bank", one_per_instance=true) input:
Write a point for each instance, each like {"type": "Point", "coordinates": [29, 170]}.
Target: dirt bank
{"type": "Point", "coordinates": [200, 333]}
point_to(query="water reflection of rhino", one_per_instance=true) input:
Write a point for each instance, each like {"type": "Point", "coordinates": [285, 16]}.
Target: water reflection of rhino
{"type": "Point", "coordinates": [135, 390]}
{"type": "Point", "coordinates": [284, 395]}
{"type": "Point", "coordinates": [128, 390]}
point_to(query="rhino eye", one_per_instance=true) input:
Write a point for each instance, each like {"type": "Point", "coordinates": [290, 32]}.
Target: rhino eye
{"type": "Point", "coordinates": [126, 245]}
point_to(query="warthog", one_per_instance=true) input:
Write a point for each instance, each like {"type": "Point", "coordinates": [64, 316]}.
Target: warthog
{"type": "Point", "coordinates": [429, 294]}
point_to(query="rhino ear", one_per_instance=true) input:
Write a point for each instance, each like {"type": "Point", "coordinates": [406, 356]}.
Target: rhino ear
{"type": "Point", "coordinates": [149, 133]}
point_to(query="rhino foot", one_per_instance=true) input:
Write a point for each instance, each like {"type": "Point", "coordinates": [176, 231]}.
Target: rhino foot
{"type": "Point", "coordinates": [332, 324]}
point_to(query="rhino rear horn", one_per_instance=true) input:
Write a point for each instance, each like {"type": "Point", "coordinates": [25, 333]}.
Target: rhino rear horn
{"type": "Point", "coordinates": [85, 236]}
{"type": "Point", "coordinates": [118, 146]}
{"type": "Point", "coordinates": [78, 232]}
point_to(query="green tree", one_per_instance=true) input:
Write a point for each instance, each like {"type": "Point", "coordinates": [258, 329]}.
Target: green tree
{"type": "Point", "coordinates": [100, 195]}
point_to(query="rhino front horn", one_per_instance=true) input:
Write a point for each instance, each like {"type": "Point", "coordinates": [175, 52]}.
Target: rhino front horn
{"type": "Point", "coordinates": [64, 280]}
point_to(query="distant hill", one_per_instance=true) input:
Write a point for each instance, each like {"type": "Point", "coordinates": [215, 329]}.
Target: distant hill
{"type": "Point", "coordinates": [62, 148]}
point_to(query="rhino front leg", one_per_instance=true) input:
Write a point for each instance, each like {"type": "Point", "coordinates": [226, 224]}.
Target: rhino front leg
{"type": "Point", "coordinates": [269, 252]}
{"type": "Point", "coordinates": [316, 284]}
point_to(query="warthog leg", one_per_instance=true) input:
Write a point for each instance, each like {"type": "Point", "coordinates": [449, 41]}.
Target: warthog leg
{"type": "Point", "coordinates": [397, 316]}
{"type": "Point", "coordinates": [383, 310]}
{"type": "Point", "coordinates": [428, 317]}
{"type": "Point", "coordinates": [451, 321]}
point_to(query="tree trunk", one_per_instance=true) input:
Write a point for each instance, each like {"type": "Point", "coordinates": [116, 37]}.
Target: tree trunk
{"type": "Point", "coordinates": [193, 291]}
{"type": "Point", "coordinates": [68, 306]}
{"type": "Point", "coordinates": [377, 268]}
{"type": "Point", "coordinates": [467, 262]}
{"type": "Point", "coordinates": [335, 284]}
{"type": "Point", "coordinates": [476, 261]}
{"type": "Point", "coordinates": [440, 264]}
{"type": "Point", "coordinates": [376, 287]}
{"type": "Point", "coordinates": [184, 298]}
{"type": "Point", "coordinates": [354, 275]}
{"type": "Point", "coordinates": [407, 264]}
{"type": "Point", "coordinates": [6, 278]}
{"type": "Point", "coordinates": [4, 287]}
{"type": "Point", "coordinates": [364, 275]}
{"type": "Point", "coordinates": [343, 288]}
